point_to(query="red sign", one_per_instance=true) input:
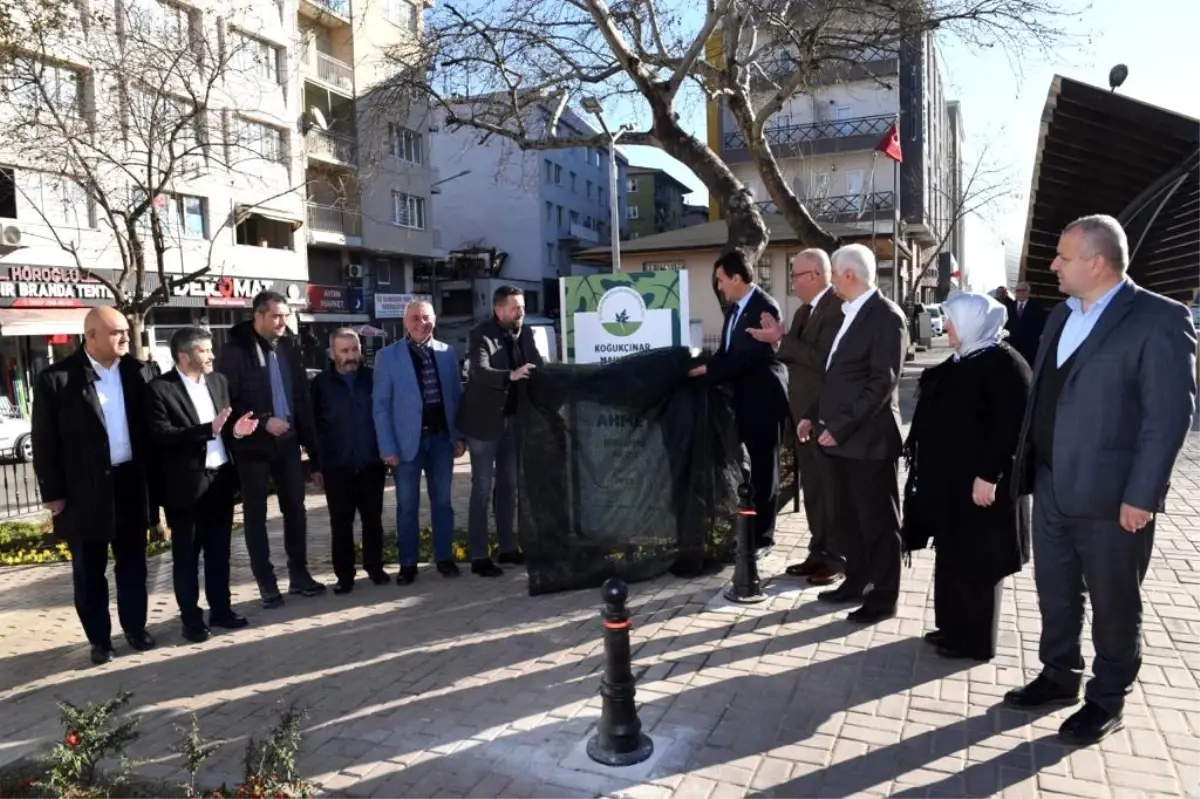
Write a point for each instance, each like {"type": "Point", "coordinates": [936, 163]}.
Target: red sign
{"type": "Point", "coordinates": [58, 340]}
{"type": "Point", "coordinates": [328, 299]}
{"type": "Point", "coordinates": [46, 302]}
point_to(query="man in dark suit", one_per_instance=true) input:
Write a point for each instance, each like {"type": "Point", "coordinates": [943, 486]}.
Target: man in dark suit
{"type": "Point", "coordinates": [856, 421]}
{"type": "Point", "coordinates": [804, 350]}
{"type": "Point", "coordinates": [262, 363]}
{"type": "Point", "coordinates": [350, 468]}
{"type": "Point", "coordinates": [189, 409]}
{"type": "Point", "coordinates": [91, 467]}
{"type": "Point", "coordinates": [1026, 320]}
{"type": "Point", "coordinates": [500, 353]}
{"type": "Point", "coordinates": [1113, 396]}
{"type": "Point", "coordinates": [758, 381]}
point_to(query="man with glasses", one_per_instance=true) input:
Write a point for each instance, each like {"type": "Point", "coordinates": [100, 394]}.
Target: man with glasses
{"type": "Point", "coordinates": [803, 350]}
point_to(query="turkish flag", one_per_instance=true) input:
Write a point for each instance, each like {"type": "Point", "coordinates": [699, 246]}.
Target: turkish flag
{"type": "Point", "coordinates": [889, 145]}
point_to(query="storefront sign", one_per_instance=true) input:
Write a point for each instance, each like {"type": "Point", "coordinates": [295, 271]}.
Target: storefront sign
{"type": "Point", "coordinates": [50, 287]}
{"type": "Point", "coordinates": [392, 306]}
{"type": "Point", "coordinates": [328, 299]}
{"type": "Point", "coordinates": [224, 292]}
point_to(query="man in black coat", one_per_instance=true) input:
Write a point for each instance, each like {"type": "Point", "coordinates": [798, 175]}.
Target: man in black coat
{"type": "Point", "coordinates": [195, 477]}
{"type": "Point", "coordinates": [266, 378]}
{"type": "Point", "coordinates": [1026, 320]}
{"type": "Point", "coordinates": [856, 422]}
{"type": "Point", "coordinates": [759, 383]}
{"type": "Point", "coordinates": [349, 468]}
{"type": "Point", "coordinates": [500, 353]}
{"type": "Point", "coordinates": [88, 433]}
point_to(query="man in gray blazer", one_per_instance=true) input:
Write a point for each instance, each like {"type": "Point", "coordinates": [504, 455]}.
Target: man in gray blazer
{"type": "Point", "coordinates": [856, 422]}
{"type": "Point", "coordinates": [1113, 396]}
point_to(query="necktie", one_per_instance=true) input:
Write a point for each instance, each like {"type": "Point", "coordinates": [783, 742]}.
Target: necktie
{"type": "Point", "coordinates": [805, 315]}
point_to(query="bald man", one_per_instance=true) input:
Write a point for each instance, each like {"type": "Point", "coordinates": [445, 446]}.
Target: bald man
{"type": "Point", "coordinates": [91, 466]}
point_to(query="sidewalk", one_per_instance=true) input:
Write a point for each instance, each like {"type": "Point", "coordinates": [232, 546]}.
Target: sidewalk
{"type": "Point", "coordinates": [472, 688]}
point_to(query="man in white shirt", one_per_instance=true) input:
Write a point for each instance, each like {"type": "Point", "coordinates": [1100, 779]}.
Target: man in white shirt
{"type": "Point", "coordinates": [91, 466]}
{"type": "Point", "coordinates": [189, 411]}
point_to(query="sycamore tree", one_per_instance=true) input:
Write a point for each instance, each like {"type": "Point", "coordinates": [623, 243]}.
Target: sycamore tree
{"type": "Point", "coordinates": [509, 68]}
{"type": "Point", "coordinates": [115, 119]}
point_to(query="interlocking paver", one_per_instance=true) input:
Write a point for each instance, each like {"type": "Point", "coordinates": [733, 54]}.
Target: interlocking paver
{"type": "Point", "coordinates": [472, 688]}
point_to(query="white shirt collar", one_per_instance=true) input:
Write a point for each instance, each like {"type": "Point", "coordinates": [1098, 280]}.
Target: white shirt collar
{"type": "Point", "coordinates": [186, 379]}
{"type": "Point", "coordinates": [102, 371]}
{"type": "Point", "coordinates": [852, 307]}
{"type": "Point", "coordinates": [741, 306]}
{"type": "Point", "coordinates": [813, 302]}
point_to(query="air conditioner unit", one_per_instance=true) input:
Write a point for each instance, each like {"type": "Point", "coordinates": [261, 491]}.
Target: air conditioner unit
{"type": "Point", "coordinates": [354, 270]}
{"type": "Point", "coordinates": [10, 235]}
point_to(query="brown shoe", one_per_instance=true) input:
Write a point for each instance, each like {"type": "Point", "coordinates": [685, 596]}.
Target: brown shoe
{"type": "Point", "coordinates": [808, 567]}
{"type": "Point", "coordinates": [824, 576]}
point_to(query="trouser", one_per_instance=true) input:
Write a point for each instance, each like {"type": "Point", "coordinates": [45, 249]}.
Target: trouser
{"type": "Point", "coordinates": [203, 528]}
{"type": "Point", "coordinates": [1069, 554]}
{"type": "Point", "coordinates": [283, 467]}
{"type": "Point", "coordinates": [493, 473]}
{"type": "Point", "coordinates": [967, 609]}
{"type": "Point", "coordinates": [89, 562]}
{"type": "Point", "coordinates": [434, 458]}
{"type": "Point", "coordinates": [867, 517]}
{"type": "Point", "coordinates": [815, 483]}
{"type": "Point", "coordinates": [761, 438]}
{"type": "Point", "coordinates": [347, 492]}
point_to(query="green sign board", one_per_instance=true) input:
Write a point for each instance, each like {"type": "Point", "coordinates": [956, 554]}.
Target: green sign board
{"type": "Point", "coordinates": [609, 316]}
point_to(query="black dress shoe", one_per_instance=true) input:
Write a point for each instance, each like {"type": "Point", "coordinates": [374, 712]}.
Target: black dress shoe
{"type": "Point", "coordinates": [102, 653]}
{"type": "Point", "coordinates": [485, 568]}
{"type": "Point", "coordinates": [810, 566]}
{"type": "Point", "coordinates": [1088, 725]}
{"type": "Point", "coordinates": [379, 577]}
{"type": "Point", "coordinates": [272, 601]}
{"type": "Point", "coordinates": [447, 568]}
{"type": "Point", "coordinates": [954, 653]}
{"type": "Point", "coordinates": [871, 615]}
{"type": "Point", "coordinates": [514, 558]}
{"type": "Point", "coordinates": [407, 575]}
{"type": "Point", "coordinates": [309, 588]}
{"type": "Point", "coordinates": [197, 635]}
{"type": "Point", "coordinates": [1042, 692]}
{"type": "Point", "coordinates": [227, 621]}
{"type": "Point", "coordinates": [934, 637]}
{"type": "Point", "coordinates": [141, 641]}
{"type": "Point", "coordinates": [343, 587]}
{"type": "Point", "coordinates": [843, 593]}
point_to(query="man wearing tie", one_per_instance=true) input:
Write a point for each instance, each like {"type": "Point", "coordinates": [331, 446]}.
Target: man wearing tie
{"type": "Point", "coordinates": [804, 350]}
{"type": "Point", "coordinates": [759, 383]}
{"type": "Point", "coordinates": [196, 478]}
{"type": "Point", "coordinates": [91, 470]}
{"type": "Point", "coordinates": [1025, 323]}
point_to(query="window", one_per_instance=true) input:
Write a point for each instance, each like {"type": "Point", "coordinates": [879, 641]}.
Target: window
{"type": "Point", "coordinates": [631, 212]}
{"type": "Point", "coordinates": [261, 140]}
{"type": "Point", "coordinates": [549, 170]}
{"type": "Point", "coordinates": [762, 273]}
{"type": "Point", "coordinates": [549, 255]}
{"type": "Point", "coordinates": [587, 222]}
{"type": "Point", "coordinates": [257, 230]}
{"type": "Point", "coordinates": [574, 217]}
{"type": "Point", "coordinates": [8, 193]}
{"type": "Point", "coordinates": [589, 190]}
{"type": "Point", "coordinates": [170, 22]}
{"type": "Point", "coordinates": [29, 83]}
{"type": "Point", "coordinates": [408, 211]}
{"type": "Point", "coordinates": [818, 186]}
{"type": "Point", "coordinates": [400, 13]}
{"type": "Point", "coordinates": [557, 175]}
{"type": "Point", "coordinates": [57, 200]}
{"type": "Point", "coordinates": [600, 196]}
{"type": "Point", "coordinates": [193, 223]}
{"type": "Point", "coordinates": [256, 57]}
{"type": "Point", "coordinates": [572, 181]}
{"type": "Point", "coordinates": [549, 212]}
{"type": "Point", "coordinates": [632, 186]}
{"type": "Point", "coordinates": [164, 122]}
{"type": "Point", "coordinates": [560, 217]}
{"type": "Point", "coordinates": [404, 144]}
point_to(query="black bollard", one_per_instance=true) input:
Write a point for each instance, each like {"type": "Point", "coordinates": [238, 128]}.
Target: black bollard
{"type": "Point", "coordinates": [746, 588]}
{"type": "Point", "coordinates": [619, 740]}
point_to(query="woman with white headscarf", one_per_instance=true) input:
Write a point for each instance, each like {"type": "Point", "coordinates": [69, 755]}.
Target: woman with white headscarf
{"type": "Point", "coordinates": [961, 493]}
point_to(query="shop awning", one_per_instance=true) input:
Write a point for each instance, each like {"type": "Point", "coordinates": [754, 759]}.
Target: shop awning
{"type": "Point", "coordinates": [244, 211]}
{"type": "Point", "coordinates": [42, 321]}
{"type": "Point", "coordinates": [334, 318]}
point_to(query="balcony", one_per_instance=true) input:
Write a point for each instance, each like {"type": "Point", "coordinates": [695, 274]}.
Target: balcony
{"type": "Point", "coordinates": [326, 10]}
{"type": "Point", "coordinates": [839, 67]}
{"type": "Point", "coordinates": [334, 224]}
{"type": "Point", "coordinates": [579, 234]}
{"type": "Point", "coordinates": [816, 138]}
{"type": "Point", "coordinates": [331, 147]}
{"type": "Point", "coordinates": [844, 207]}
{"type": "Point", "coordinates": [332, 72]}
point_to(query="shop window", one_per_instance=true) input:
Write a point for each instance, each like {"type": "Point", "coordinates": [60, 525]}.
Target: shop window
{"type": "Point", "coordinates": [8, 193]}
{"type": "Point", "coordinates": [257, 230]}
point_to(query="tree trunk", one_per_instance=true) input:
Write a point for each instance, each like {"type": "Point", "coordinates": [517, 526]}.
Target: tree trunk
{"type": "Point", "coordinates": [797, 216]}
{"type": "Point", "coordinates": [137, 324]}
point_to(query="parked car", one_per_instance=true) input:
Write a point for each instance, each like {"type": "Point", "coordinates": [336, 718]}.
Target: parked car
{"type": "Point", "coordinates": [936, 322]}
{"type": "Point", "coordinates": [15, 438]}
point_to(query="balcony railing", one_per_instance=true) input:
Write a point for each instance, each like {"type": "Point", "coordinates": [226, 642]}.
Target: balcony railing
{"type": "Point", "coordinates": [331, 145]}
{"type": "Point", "coordinates": [335, 72]}
{"type": "Point", "coordinates": [842, 205]}
{"type": "Point", "coordinates": [793, 135]}
{"type": "Point", "coordinates": [339, 7]}
{"type": "Point", "coordinates": [334, 219]}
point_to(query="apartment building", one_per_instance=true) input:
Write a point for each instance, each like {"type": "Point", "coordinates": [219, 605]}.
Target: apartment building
{"type": "Point", "coordinates": [367, 164]}
{"type": "Point", "coordinates": [655, 202]}
{"type": "Point", "coordinates": [536, 210]}
{"type": "Point", "coordinates": [219, 150]}
{"type": "Point", "coordinates": [825, 139]}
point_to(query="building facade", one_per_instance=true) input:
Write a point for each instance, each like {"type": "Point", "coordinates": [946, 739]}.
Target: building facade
{"type": "Point", "coordinates": [825, 140]}
{"type": "Point", "coordinates": [655, 202]}
{"type": "Point", "coordinates": [530, 213]}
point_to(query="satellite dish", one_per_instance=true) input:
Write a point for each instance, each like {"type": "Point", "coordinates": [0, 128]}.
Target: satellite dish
{"type": "Point", "coordinates": [318, 118]}
{"type": "Point", "coordinates": [1117, 76]}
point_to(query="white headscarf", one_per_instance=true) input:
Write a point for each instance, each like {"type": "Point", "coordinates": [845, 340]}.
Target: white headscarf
{"type": "Point", "coordinates": [978, 321]}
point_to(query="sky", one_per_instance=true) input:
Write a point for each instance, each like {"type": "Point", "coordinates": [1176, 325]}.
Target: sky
{"type": "Point", "coordinates": [1002, 103]}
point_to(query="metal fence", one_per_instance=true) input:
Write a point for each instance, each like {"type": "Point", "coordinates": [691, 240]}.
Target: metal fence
{"type": "Point", "coordinates": [18, 488]}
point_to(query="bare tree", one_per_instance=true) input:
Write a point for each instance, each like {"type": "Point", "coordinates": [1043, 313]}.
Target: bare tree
{"type": "Point", "coordinates": [110, 117]}
{"type": "Point", "coordinates": [509, 68]}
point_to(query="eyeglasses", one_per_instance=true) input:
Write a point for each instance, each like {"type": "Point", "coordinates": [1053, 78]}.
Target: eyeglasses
{"type": "Point", "coordinates": [802, 274]}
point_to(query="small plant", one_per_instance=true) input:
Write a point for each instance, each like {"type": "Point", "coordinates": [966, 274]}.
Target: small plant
{"type": "Point", "coordinates": [195, 751]}
{"type": "Point", "coordinates": [92, 734]}
{"type": "Point", "coordinates": [270, 765]}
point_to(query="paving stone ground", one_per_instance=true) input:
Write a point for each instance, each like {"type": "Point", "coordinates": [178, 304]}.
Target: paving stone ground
{"type": "Point", "coordinates": [472, 688]}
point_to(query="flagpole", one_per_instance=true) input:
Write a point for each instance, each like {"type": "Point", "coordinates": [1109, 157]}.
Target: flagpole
{"type": "Point", "coordinates": [896, 292]}
{"type": "Point", "coordinates": [871, 199]}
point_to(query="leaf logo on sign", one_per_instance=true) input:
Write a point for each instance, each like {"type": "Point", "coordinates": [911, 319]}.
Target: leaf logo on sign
{"type": "Point", "coordinates": [621, 311]}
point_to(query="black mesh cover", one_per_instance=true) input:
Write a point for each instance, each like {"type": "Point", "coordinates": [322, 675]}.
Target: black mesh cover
{"type": "Point", "coordinates": [627, 469]}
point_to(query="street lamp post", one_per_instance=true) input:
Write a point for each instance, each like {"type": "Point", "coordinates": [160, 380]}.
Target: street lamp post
{"type": "Point", "coordinates": [592, 106]}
